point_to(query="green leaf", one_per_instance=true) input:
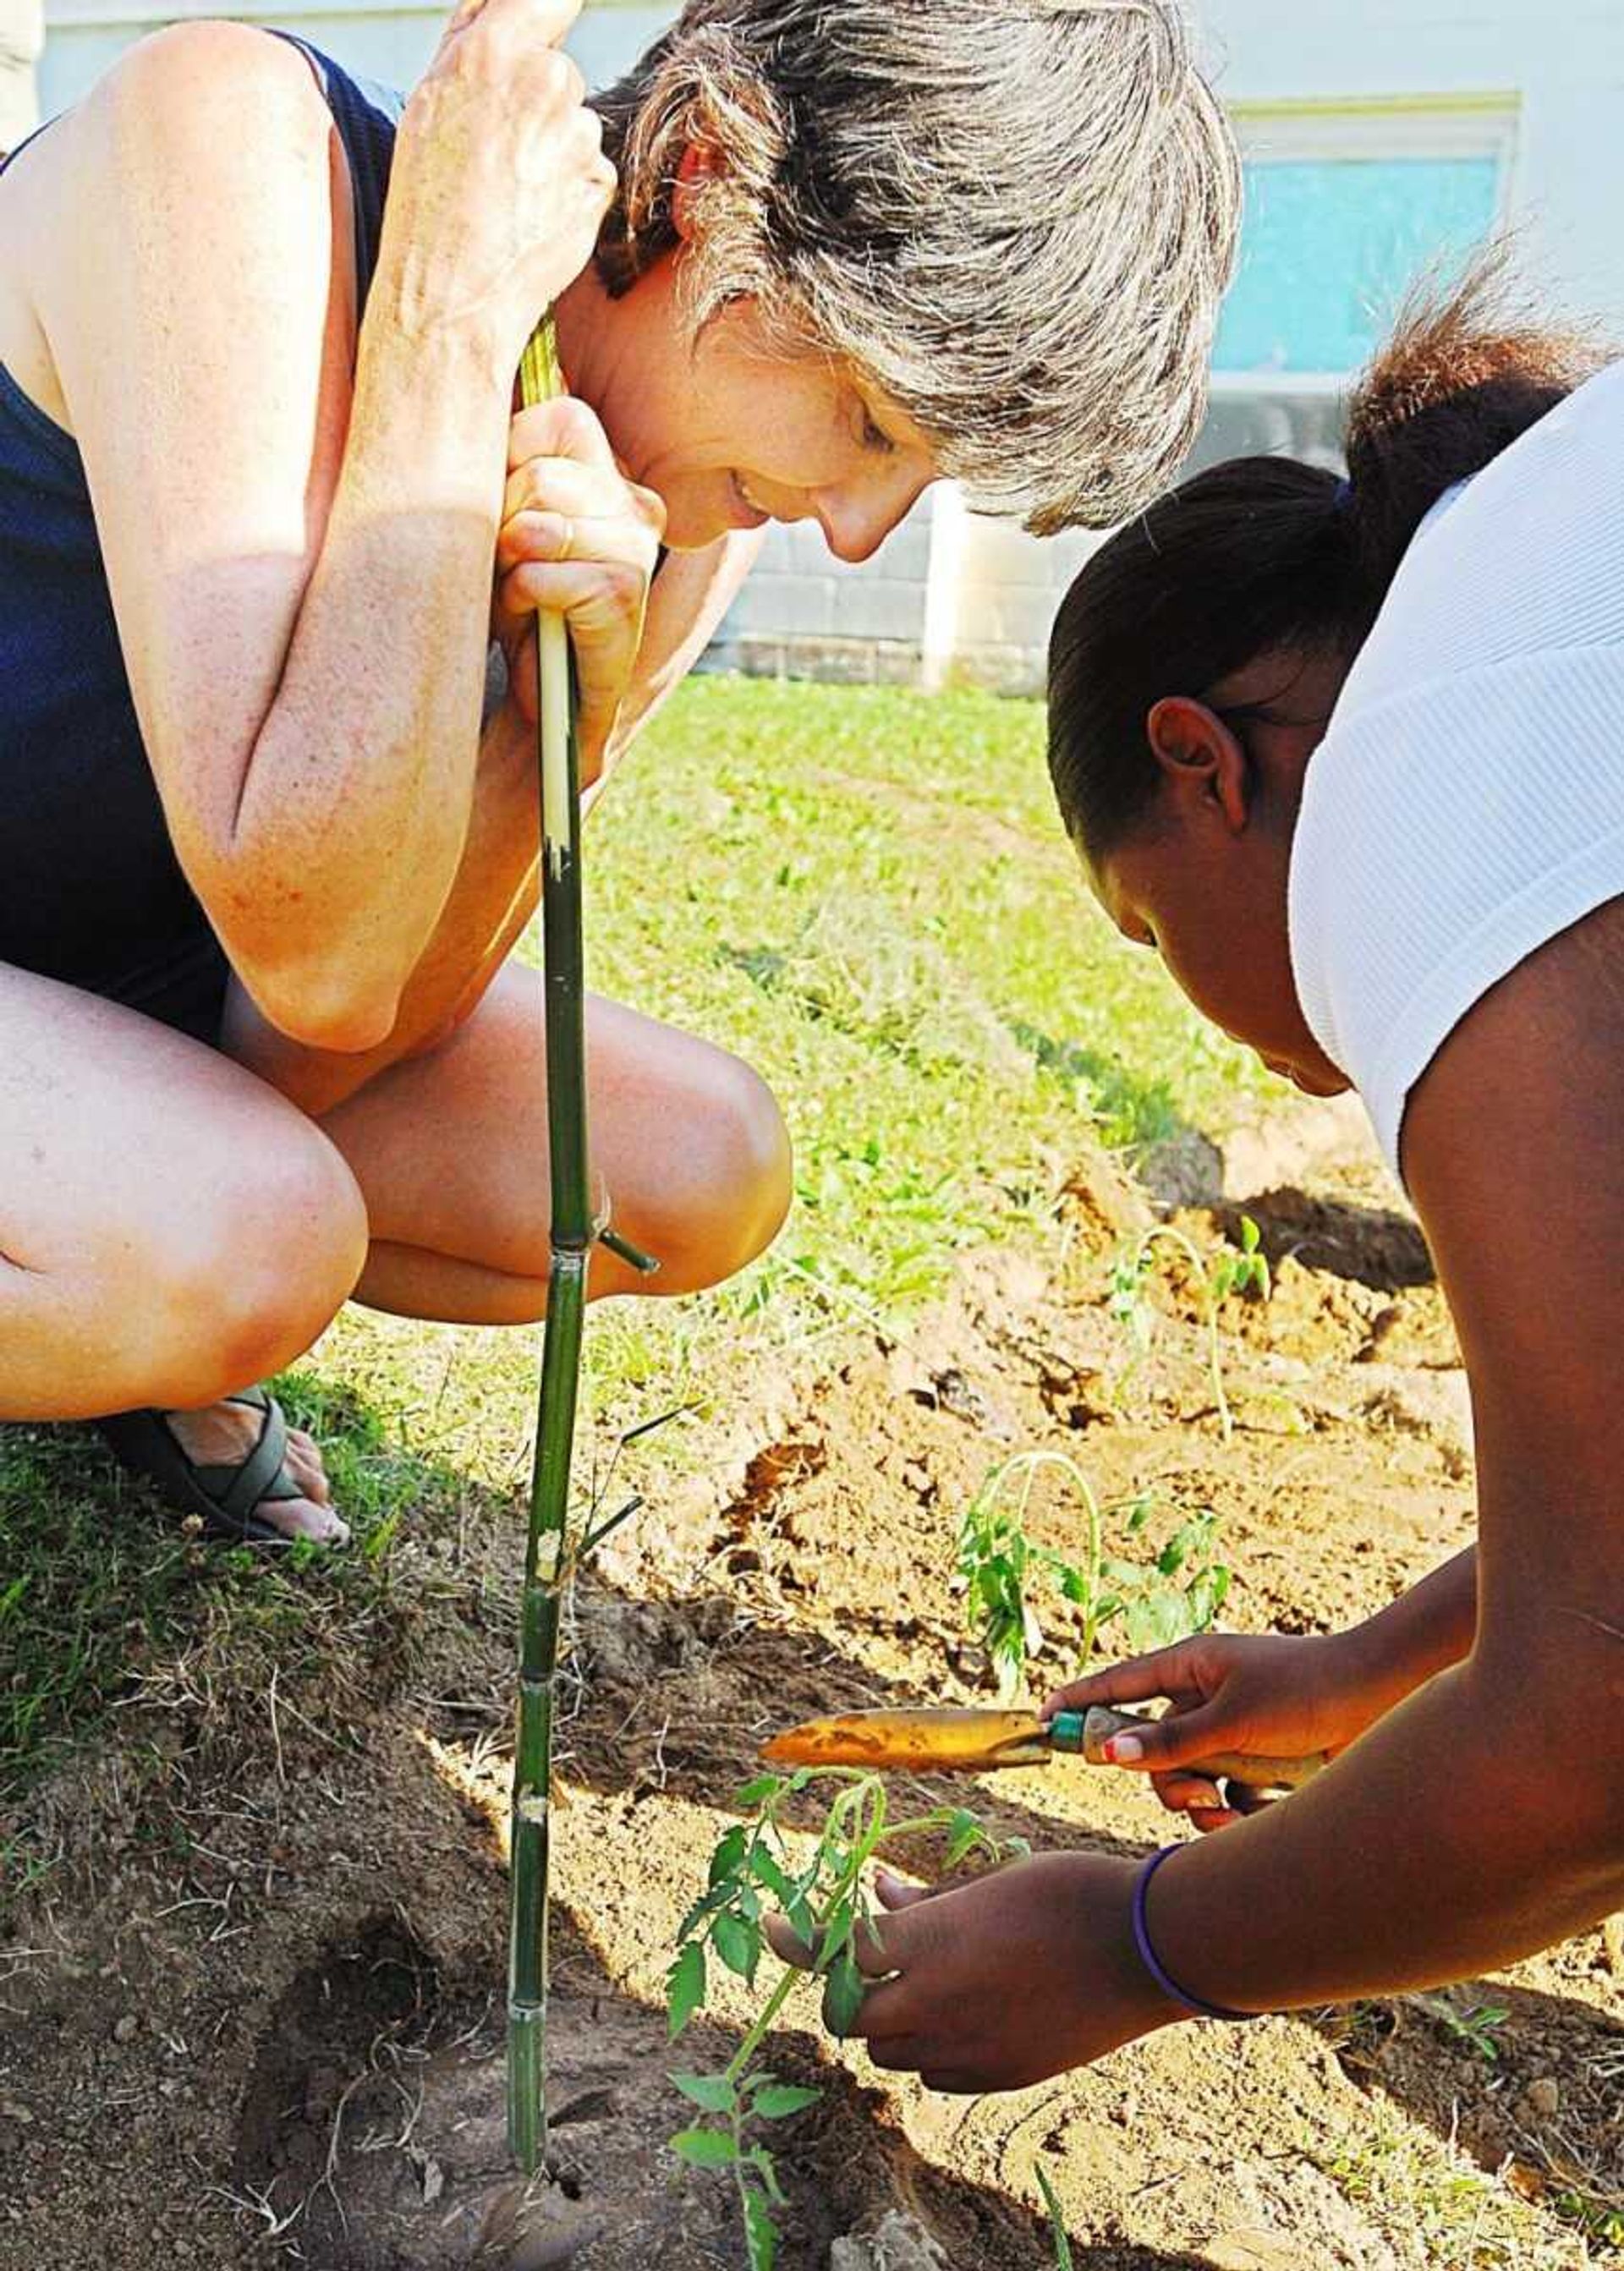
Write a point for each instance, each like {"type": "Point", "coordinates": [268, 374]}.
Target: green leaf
{"type": "Point", "coordinates": [712, 2093]}
{"type": "Point", "coordinates": [760, 2235]}
{"type": "Point", "coordinates": [738, 1944]}
{"type": "Point", "coordinates": [728, 1854]}
{"type": "Point", "coordinates": [965, 1833]}
{"type": "Point", "coordinates": [767, 1871]}
{"type": "Point", "coordinates": [843, 1995]}
{"type": "Point", "coordinates": [685, 1987]}
{"type": "Point", "coordinates": [1063, 2244]}
{"type": "Point", "coordinates": [1156, 1620]}
{"type": "Point", "coordinates": [705, 1905]}
{"type": "Point", "coordinates": [761, 2160]}
{"type": "Point", "coordinates": [1205, 1596]}
{"type": "Point", "coordinates": [780, 2099]}
{"type": "Point", "coordinates": [753, 1793]}
{"type": "Point", "coordinates": [838, 1928]}
{"type": "Point", "coordinates": [706, 2148]}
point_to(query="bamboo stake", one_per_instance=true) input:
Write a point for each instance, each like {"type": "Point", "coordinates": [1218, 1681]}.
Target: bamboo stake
{"type": "Point", "coordinates": [546, 1560]}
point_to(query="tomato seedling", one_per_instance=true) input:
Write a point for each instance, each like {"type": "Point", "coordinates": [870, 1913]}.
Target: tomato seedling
{"type": "Point", "coordinates": [1177, 1590]}
{"type": "Point", "coordinates": [1240, 1268]}
{"type": "Point", "coordinates": [825, 1898]}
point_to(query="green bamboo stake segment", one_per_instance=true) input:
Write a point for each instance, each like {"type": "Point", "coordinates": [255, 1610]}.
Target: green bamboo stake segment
{"type": "Point", "coordinates": [546, 1560]}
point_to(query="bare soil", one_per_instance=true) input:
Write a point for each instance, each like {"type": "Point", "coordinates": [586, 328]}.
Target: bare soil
{"type": "Point", "coordinates": [253, 2016]}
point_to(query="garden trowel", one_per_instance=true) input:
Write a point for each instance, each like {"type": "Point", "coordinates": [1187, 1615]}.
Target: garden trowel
{"type": "Point", "coordinates": [943, 1741]}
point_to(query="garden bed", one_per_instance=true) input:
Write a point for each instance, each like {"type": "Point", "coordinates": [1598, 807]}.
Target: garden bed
{"type": "Point", "coordinates": [260, 2023]}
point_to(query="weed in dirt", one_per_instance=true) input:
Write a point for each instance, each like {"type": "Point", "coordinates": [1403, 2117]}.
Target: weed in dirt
{"type": "Point", "coordinates": [825, 1901]}
{"type": "Point", "coordinates": [1057, 2221]}
{"type": "Point", "coordinates": [1239, 1269]}
{"type": "Point", "coordinates": [1178, 1591]}
{"type": "Point", "coordinates": [1472, 2025]}
{"type": "Point", "coordinates": [1600, 2222]}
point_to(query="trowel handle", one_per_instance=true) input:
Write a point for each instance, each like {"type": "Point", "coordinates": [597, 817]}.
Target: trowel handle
{"type": "Point", "coordinates": [1100, 1723]}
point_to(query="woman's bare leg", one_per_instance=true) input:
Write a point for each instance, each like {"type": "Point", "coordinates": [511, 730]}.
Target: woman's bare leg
{"type": "Point", "coordinates": [170, 1229]}
{"type": "Point", "coordinates": [450, 1153]}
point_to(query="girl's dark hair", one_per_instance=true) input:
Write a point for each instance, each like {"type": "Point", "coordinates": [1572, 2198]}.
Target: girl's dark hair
{"type": "Point", "coordinates": [1266, 554]}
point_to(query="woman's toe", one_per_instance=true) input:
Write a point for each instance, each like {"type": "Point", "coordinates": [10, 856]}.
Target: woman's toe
{"type": "Point", "coordinates": [303, 1517]}
{"type": "Point", "coordinates": [303, 1462]}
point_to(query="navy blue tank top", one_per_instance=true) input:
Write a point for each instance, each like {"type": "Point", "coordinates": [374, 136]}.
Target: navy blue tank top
{"type": "Point", "coordinates": [93, 893]}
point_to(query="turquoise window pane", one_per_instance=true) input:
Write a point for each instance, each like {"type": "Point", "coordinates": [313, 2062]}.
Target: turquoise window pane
{"type": "Point", "coordinates": [1331, 246]}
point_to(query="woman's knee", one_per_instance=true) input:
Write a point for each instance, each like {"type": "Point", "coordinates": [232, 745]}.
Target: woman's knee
{"type": "Point", "coordinates": [253, 1270]}
{"type": "Point", "coordinates": [730, 1190]}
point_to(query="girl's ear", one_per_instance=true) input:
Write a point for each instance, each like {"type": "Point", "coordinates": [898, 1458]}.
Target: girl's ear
{"type": "Point", "coordinates": [1200, 757]}
{"type": "Point", "coordinates": [701, 164]}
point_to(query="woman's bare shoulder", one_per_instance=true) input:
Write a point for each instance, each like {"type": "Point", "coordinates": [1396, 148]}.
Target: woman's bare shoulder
{"type": "Point", "coordinates": [200, 132]}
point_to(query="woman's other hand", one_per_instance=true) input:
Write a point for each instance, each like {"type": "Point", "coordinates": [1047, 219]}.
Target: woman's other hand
{"type": "Point", "coordinates": [1271, 1695]}
{"type": "Point", "coordinates": [581, 540]}
{"type": "Point", "coordinates": [499, 181]}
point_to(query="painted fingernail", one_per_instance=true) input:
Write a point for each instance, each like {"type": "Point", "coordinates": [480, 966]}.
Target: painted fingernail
{"type": "Point", "coordinates": [1124, 1750]}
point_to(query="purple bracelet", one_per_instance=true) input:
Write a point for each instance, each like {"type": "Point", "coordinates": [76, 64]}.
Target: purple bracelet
{"type": "Point", "coordinates": [1152, 1963]}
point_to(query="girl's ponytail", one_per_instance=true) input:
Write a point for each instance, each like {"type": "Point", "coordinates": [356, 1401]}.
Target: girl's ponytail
{"type": "Point", "coordinates": [1461, 379]}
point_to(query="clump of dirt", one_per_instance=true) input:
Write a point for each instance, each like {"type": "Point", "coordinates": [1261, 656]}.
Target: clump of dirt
{"type": "Point", "coordinates": [253, 2014]}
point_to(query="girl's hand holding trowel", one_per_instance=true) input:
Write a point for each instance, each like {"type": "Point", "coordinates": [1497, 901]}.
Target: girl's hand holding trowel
{"type": "Point", "coordinates": [1267, 1696]}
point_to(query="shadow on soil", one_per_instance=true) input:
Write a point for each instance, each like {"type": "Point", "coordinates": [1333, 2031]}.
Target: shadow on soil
{"type": "Point", "coordinates": [1373, 1245]}
{"type": "Point", "coordinates": [376, 2095]}
{"type": "Point", "coordinates": [380, 2107]}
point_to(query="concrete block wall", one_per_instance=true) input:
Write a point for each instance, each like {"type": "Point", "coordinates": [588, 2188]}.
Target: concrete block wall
{"type": "Point", "coordinates": [805, 613]}
{"type": "Point", "coordinates": [1009, 585]}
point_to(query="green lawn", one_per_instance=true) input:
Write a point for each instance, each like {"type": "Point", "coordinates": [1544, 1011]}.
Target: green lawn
{"type": "Point", "coordinates": [867, 894]}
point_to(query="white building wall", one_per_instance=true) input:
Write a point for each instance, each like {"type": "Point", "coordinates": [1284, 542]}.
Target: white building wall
{"type": "Point", "coordinates": [392, 44]}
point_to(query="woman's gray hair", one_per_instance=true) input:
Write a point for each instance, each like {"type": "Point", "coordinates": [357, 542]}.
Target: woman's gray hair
{"type": "Point", "coordinates": [1014, 218]}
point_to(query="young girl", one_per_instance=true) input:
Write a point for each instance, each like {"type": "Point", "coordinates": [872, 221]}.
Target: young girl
{"type": "Point", "coordinates": [1348, 755]}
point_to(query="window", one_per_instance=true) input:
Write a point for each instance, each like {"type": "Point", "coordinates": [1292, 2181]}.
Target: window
{"type": "Point", "coordinates": [1347, 205]}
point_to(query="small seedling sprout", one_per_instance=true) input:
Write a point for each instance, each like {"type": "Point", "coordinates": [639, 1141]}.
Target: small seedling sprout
{"type": "Point", "coordinates": [1473, 2027]}
{"type": "Point", "coordinates": [1057, 2222]}
{"type": "Point", "coordinates": [1242, 1269]}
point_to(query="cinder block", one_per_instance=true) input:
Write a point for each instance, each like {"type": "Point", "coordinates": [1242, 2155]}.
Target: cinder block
{"type": "Point", "coordinates": [834, 661]}
{"type": "Point", "coordinates": [999, 669]}
{"type": "Point", "coordinates": [804, 604]}
{"type": "Point", "coordinates": [879, 608]}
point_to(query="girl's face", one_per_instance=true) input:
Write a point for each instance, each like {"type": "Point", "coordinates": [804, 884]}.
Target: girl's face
{"type": "Point", "coordinates": [733, 428]}
{"type": "Point", "coordinates": [1202, 878]}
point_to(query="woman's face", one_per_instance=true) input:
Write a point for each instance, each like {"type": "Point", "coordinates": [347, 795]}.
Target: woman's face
{"type": "Point", "coordinates": [1219, 927]}
{"type": "Point", "coordinates": [732, 429]}
{"type": "Point", "coordinates": [1203, 879]}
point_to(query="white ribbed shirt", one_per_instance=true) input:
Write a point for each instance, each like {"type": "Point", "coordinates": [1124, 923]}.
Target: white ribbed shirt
{"type": "Point", "coordinates": [1467, 802]}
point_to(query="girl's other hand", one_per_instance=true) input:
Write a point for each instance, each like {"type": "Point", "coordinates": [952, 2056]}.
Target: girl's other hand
{"type": "Point", "coordinates": [499, 181]}
{"type": "Point", "coordinates": [1273, 1695]}
{"type": "Point", "coordinates": [582, 540]}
